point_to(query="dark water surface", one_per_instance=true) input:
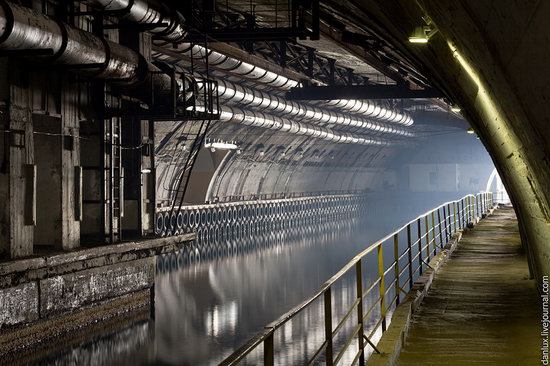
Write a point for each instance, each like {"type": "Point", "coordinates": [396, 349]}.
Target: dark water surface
{"type": "Point", "coordinates": [207, 308]}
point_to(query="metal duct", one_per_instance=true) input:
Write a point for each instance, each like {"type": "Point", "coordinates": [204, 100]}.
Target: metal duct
{"type": "Point", "coordinates": [369, 109]}
{"type": "Point", "coordinates": [148, 12]}
{"type": "Point", "coordinates": [138, 11]}
{"type": "Point", "coordinates": [247, 97]}
{"type": "Point", "coordinates": [143, 12]}
{"type": "Point", "coordinates": [22, 29]}
{"type": "Point", "coordinates": [365, 108]}
{"type": "Point", "coordinates": [26, 33]}
{"type": "Point", "coordinates": [262, 120]}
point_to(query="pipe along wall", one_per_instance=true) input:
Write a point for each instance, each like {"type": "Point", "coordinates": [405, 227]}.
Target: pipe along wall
{"type": "Point", "coordinates": [26, 32]}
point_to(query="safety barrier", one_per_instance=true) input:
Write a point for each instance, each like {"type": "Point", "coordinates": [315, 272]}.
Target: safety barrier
{"type": "Point", "coordinates": [412, 246]}
{"type": "Point", "coordinates": [272, 213]}
{"type": "Point", "coordinates": [220, 243]}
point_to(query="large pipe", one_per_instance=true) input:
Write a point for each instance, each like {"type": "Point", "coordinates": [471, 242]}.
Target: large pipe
{"type": "Point", "coordinates": [246, 97]}
{"type": "Point", "coordinates": [22, 29]}
{"type": "Point", "coordinates": [365, 108]}
{"type": "Point", "coordinates": [27, 33]}
{"type": "Point", "coordinates": [170, 27]}
{"type": "Point", "coordinates": [262, 120]}
{"type": "Point", "coordinates": [149, 12]}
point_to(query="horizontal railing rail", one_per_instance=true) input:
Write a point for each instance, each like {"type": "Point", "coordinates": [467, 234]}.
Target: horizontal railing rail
{"type": "Point", "coordinates": [424, 237]}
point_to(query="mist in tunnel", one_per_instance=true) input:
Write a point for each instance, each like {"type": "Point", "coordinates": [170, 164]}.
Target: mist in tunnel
{"type": "Point", "coordinates": [180, 174]}
{"type": "Point", "coordinates": [255, 258]}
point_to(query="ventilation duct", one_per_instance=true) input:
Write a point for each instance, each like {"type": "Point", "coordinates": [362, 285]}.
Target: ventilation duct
{"type": "Point", "coordinates": [143, 12]}
{"type": "Point", "coordinates": [26, 32]}
{"type": "Point", "coordinates": [370, 109]}
{"type": "Point", "coordinates": [148, 12]}
{"type": "Point", "coordinates": [246, 97]}
{"type": "Point", "coordinates": [262, 120]}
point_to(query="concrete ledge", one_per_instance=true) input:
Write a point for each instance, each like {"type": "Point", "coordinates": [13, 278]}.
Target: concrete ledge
{"type": "Point", "coordinates": [72, 291]}
{"type": "Point", "coordinates": [150, 247]}
{"type": "Point", "coordinates": [37, 288]}
{"type": "Point", "coordinates": [19, 304]}
{"type": "Point", "coordinates": [393, 340]}
{"type": "Point", "coordinates": [22, 345]}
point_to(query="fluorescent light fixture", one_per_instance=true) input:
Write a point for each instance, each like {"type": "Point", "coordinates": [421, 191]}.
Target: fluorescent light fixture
{"type": "Point", "coordinates": [455, 108]}
{"type": "Point", "coordinates": [220, 145]}
{"type": "Point", "coordinates": [145, 171]}
{"type": "Point", "coordinates": [470, 131]}
{"type": "Point", "coordinates": [419, 35]}
{"type": "Point", "coordinates": [422, 34]}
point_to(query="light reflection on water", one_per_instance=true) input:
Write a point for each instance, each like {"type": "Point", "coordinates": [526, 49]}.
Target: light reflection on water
{"type": "Point", "coordinates": [207, 310]}
{"type": "Point", "coordinates": [214, 296]}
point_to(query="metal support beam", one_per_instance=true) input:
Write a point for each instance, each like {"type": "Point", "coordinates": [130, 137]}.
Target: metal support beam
{"type": "Point", "coordinates": [360, 92]}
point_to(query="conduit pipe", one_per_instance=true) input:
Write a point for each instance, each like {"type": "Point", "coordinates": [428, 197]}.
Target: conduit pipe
{"type": "Point", "coordinates": [22, 29]}
{"type": "Point", "coordinates": [365, 108]}
{"type": "Point", "coordinates": [170, 27]}
{"type": "Point", "coordinates": [262, 120]}
{"type": "Point", "coordinates": [150, 12]}
{"type": "Point", "coordinates": [250, 98]}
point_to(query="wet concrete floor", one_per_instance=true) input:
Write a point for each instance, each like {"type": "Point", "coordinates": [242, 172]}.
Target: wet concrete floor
{"type": "Point", "coordinates": [482, 308]}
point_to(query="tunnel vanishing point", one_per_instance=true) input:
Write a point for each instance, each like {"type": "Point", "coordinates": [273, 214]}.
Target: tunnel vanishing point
{"type": "Point", "coordinates": [139, 136]}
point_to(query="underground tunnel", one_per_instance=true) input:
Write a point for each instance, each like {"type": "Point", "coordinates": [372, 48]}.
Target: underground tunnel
{"type": "Point", "coordinates": [270, 182]}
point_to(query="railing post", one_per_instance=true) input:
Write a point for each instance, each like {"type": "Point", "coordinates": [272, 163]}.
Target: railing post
{"type": "Point", "coordinates": [441, 244]}
{"type": "Point", "coordinates": [461, 215]}
{"type": "Point", "coordinates": [328, 326]}
{"type": "Point", "coordinates": [382, 286]}
{"type": "Point", "coordinates": [465, 212]}
{"type": "Point", "coordinates": [396, 267]}
{"type": "Point", "coordinates": [419, 245]}
{"type": "Point", "coordinates": [468, 210]}
{"type": "Point", "coordinates": [269, 359]}
{"type": "Point", "coordinates": [445, 226]}
{"type": "Point", "coordinates": [409, 244]}
{"type": "Point", "coordinates": [359, 282]}
{"type": "Point", "coordinates": [433, 233]}
{"type": "Point", "coordinates": [455, 218]}
{"type": "Point", "coordinates": [427, 227]}
{"type": "Point", "coordinates": [472, 212]}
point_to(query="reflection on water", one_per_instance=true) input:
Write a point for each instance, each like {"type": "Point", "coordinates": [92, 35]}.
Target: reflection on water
{"type": "Point", "coordinates": [121, 348]}
{"type": "Point", "coordinates": [214, 295]}
{"type": "Point", "coordinates": [207, 309]}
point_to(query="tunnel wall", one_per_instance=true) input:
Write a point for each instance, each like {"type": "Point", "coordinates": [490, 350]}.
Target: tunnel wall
{"type": "Point", "coordinates": [488, 57]}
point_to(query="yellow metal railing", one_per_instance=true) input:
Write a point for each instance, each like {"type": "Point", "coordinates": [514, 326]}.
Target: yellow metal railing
{"type": "Point", "coordinates": [439, 226]}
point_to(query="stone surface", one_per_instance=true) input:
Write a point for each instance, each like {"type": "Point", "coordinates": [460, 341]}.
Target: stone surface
{"type": "Point", "coordinates": [29, 344]}
{"type": "Point", "coordinates": [72, 291]}
{"type": "Point", "coordinates": [19, 304]}
{"type": "Point", "coordinates": [487, 56]}
{"type": "Point", "coordinates": [393, 340]}
{"type": "Point", "coordinates": [482, 308]}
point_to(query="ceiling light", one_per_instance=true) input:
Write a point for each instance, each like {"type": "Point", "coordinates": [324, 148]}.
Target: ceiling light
{"type": "Point", "coordinates": [470, 131]}
{"type": "Point", "coordinates": [455, 108]}
{"type": "Point", "coordinates": [220, 145]}
{"type": "Point", "coordinates": [419, 35]}
{"type": "Point", "coordinates": [422, 34]}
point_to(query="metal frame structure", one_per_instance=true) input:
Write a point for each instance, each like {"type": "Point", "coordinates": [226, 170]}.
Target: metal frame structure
{"type": "Point", "coordinates": [225, 21]}
{"type": "Point", "coordinates": [424, 236]}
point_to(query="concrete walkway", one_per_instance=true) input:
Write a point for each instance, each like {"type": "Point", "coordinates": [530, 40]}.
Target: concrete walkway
{"type": "Point", "coordinates": [482, 309]}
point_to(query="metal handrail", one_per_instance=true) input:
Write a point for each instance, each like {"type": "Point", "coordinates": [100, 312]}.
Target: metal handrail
{"type": "Point", "coordinates": [464, 211]}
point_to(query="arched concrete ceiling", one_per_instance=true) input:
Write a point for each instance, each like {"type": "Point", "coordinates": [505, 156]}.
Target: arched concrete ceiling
{"type": "Point", "coordinates": [491, 58]}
